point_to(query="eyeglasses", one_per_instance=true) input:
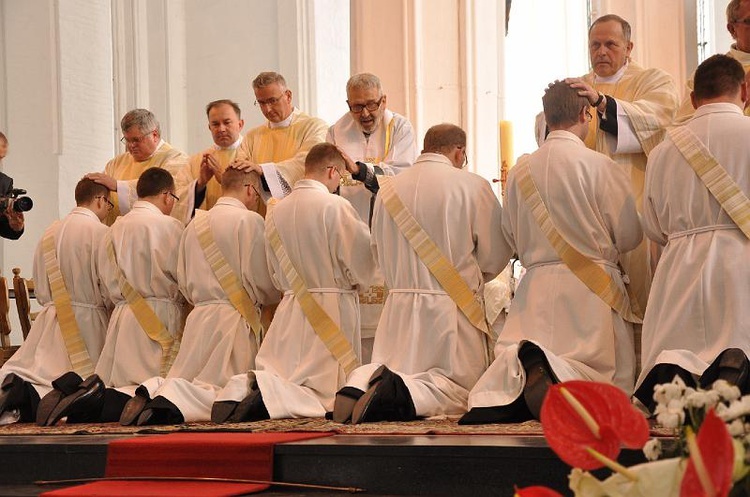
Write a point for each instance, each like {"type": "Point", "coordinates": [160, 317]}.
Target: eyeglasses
{"type": "Point", "coordinates": [745, 21]}
{"type": "Point", "coordinates": [110, 205]}
{"type": "Point", "coordinates": [175, 197]}
{"type": "Point", "coordinates": [370, 106]}
{"type": "Point", "coordinates": [337, 171]}
{"type": "Point", "coordinates": [254, 189]}
{"type": "Point", "coordinates": [135, 141]}
{"type": "Point", "coordinates": [466, 160]}
{"type": "Point", "coordinates": [269, 101]}
{"type": "Point", "coordinates": [588, 115]}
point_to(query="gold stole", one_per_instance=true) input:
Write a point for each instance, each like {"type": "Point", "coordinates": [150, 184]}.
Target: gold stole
{"type": "Point", "coordinates": [325, 327]}
{"type": "Point", "coordinates": [228, 280]}
{"type": "Point", "coordinates": [347, 179]}
{"type": "Point", "coordinates": [126, 168]}
{"type": "Point", "coordinates": [432, 257]}
{"type": "Point", "coordinates": [144, 314]}
{"type": "Point", "coordinates": [74, 344]}
{"type": "Point", "coordinates": [591, 274]}
{"type": "Point", "coordinates": [724, 189]}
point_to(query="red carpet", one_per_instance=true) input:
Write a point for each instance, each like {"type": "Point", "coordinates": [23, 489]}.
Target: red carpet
{"type": "Point", "coordinates": [247, 456]}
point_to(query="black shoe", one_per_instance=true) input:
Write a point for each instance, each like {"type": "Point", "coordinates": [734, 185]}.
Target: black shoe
{"type": "Point", "coordinates": [731, 366]}
{"type": "Point", "coordinates": [160, 411]}
{"type": "Point", "coordinates": [222, 410]}
{"type": "Point", "coordinates": [343, 405]}
{"type": "Point", "coordinates": [386, 399]}
{"type": "Point", "coordinates": [515, 412]}
{"type": "Point", "coordinates": [87, 399]}
{"type": "Point", "coordinates": [61, 387]}
{"type": "Point", "coordinates": [539, 377]}
{"type": "Point", "coordinates": [134, 407]}
{"type": "Point", "coordinates": [661, 373]}
{"type": "Point", "coordinates": [251, 408]}
{"type": "Point", "coordinates": [18, 394]}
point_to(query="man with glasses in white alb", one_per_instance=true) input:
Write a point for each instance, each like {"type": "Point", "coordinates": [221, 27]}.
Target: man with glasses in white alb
{"type": "Point", "coordinates": [375, 141]}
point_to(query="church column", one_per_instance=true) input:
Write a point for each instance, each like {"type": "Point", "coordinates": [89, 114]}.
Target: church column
{"type": "Point", "coordinates": [439, 62]}
{"type": "Point", "coordinates": [150, 66]}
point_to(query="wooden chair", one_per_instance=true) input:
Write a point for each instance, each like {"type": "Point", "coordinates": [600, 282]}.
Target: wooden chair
{"type": "Point", "coordinates": [23, 288]}
{"type": "Point", "coordinates": [6, 349]}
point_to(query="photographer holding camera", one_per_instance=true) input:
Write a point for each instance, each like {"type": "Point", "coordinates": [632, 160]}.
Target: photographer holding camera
{"type": "Point", "coordinates": [11, 207]}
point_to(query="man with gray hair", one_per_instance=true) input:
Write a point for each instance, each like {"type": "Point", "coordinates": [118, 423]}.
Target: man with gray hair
{"type": "Point", "coordinates": [437, 237]}
{"type": "Point", "coordinates": [276, 150]}
{"type": "Point", "coordinates": [559, 326]}
{"type": "Point", "coordinates": [375, 141]}
{"type": "Point", "coordinates": [632, 108]}
{"type": "Point", "coordinates": [738, 25]}
{"type": "Point", "coordinates": [145, 148]}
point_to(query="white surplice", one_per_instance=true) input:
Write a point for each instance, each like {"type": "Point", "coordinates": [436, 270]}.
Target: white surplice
{"type": "Point", "coordinates": [329, 246]}
{"type": "Point", "coordinates": [217, 342]}
{"type": "Point", "coordinates": [43, 357]}
{"type": "Point", "coordinates": [146, 244]}
{"type": "Point", "coordinates": [422, 335]}
{"type": "Point", "coordinates": [347, 134]}
{"type": "Point", "coordinates": [590, 203]}
{"type": "Point", "coordinates": [701, 290]}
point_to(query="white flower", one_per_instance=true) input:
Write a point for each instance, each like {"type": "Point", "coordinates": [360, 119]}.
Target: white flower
{"type": "Point", "coordinates": [702, 399]}
{"type": "Point", "coordinates": [652, 449]}
{"type": "Point", "coordinates": [671, 415]}
{"type": "Point", "coordinates": [727, 391]}
{"type": "Point", "coordinates": [666, 392]}
{"type": "Point", "coordinates": [736, 428]}
{"type": "Point", "coordinates": [735, 410]}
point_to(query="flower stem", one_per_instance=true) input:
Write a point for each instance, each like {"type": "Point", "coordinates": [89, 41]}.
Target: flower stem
{"type": "Point", "coordinates": [613, 465]}
{"type": "Point", "coordinates": [582, 412]}
{"type": "Point", "coordinates": [700, 467]}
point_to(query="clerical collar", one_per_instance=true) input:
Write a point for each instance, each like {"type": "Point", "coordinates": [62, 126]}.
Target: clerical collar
{"type": "Point", "coordinates": [285, 123]}
{"type": "Point", "coordinates": [161, 142]}
{"type": "Point", "coordinates": [737, 54]}
{"type": "Point", "coordinates": [614, 78]}
{"type": "Point", "coordinates": [233, 146]}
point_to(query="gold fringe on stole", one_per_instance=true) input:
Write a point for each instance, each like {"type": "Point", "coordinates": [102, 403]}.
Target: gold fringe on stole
{"type": "Point", "coordinates": [325, 327]}
{"type": "Point", "coordinates": [144, 314]}
{"type": "Point", "coordinates": [74, 344]}
{"type": "Point", "coordinates": [724, 189]}
{"type": "Point", "coordinates": [591, 274]}
{"type": "Point", "coordinates": [228, 280]}
{"type": "Point", "coordinates": [432, 257]}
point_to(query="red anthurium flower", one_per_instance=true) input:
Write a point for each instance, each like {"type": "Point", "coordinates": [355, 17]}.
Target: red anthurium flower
{"type": "Point", "coordinates": [536, 491]}
{"type": "Point", "coordinates": [582, 415]}
{"type": "Point", "coordinates": [709, 471]}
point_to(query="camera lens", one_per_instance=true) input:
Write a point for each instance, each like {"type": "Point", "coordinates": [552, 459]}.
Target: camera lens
{"type": "Point", "coordinates": [23, 204]}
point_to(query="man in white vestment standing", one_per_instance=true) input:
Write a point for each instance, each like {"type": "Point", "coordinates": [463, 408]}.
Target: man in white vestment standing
{"type": "Point", "coordinates": [223, 273]}
{"type": "Point", "coordinates": [276, 150]}
{"type": "Point", "coordinates": [205, 168]}
{"type": "Point", "coordinates": [428, 352]}
{"type": "Point", "coordinates": [141, 135]}
{"type": "Point", "coordinates": [319, 254]}
{"type": "Point", "coordinates": [633, 108]}
{"type": "Point", "coordinates": [558, 328]}
{"type": "Point", "coordinates": [738, 25]}
{"type": "Point", "coordinates": [700, 330]}
{"type": "Point", "coordinates": [51, 349]}
{"type": "Point", "coordinates": [377, 142]}
{"type": "Point", "coordinates": [138, 267]}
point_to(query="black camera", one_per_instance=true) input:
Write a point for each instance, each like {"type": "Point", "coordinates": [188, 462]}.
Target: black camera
{"type": "Point", "coordinates": [20, 204]}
